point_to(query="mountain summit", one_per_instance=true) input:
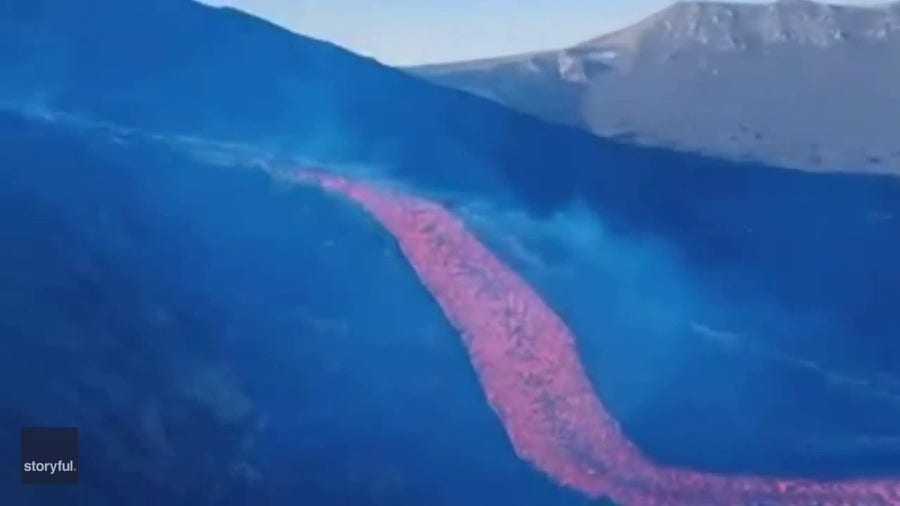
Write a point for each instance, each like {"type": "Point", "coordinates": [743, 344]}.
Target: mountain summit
{"type": "Point", "coordinates": [793, 82]}
{"type": "Point", "coordinates": [735, 27]}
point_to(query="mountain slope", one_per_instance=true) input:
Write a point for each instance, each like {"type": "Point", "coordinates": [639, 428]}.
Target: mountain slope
{"type": "Point", "coordinates": [215, 338]}
{"type": "Point", "coordinates": [743, 304]}
{"type": "Point", "coordinates": [146, 66]}
{"type": "Point", "coordinates": [792, 83]}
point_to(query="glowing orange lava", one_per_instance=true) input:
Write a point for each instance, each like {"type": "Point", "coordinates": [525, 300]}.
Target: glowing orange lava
{"type": "Point", "coordinates": [529, 368]}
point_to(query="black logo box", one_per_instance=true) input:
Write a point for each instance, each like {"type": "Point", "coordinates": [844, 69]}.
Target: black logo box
{"type": "Point", "coordinates": [49, 455]}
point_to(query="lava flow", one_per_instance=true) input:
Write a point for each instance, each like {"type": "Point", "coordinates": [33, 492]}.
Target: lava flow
{"type": "Point", "coordinates": [529, 368]}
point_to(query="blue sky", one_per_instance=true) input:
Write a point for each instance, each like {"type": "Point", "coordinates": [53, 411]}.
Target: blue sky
{"type": "Point", "coordinates": [403, 32]}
